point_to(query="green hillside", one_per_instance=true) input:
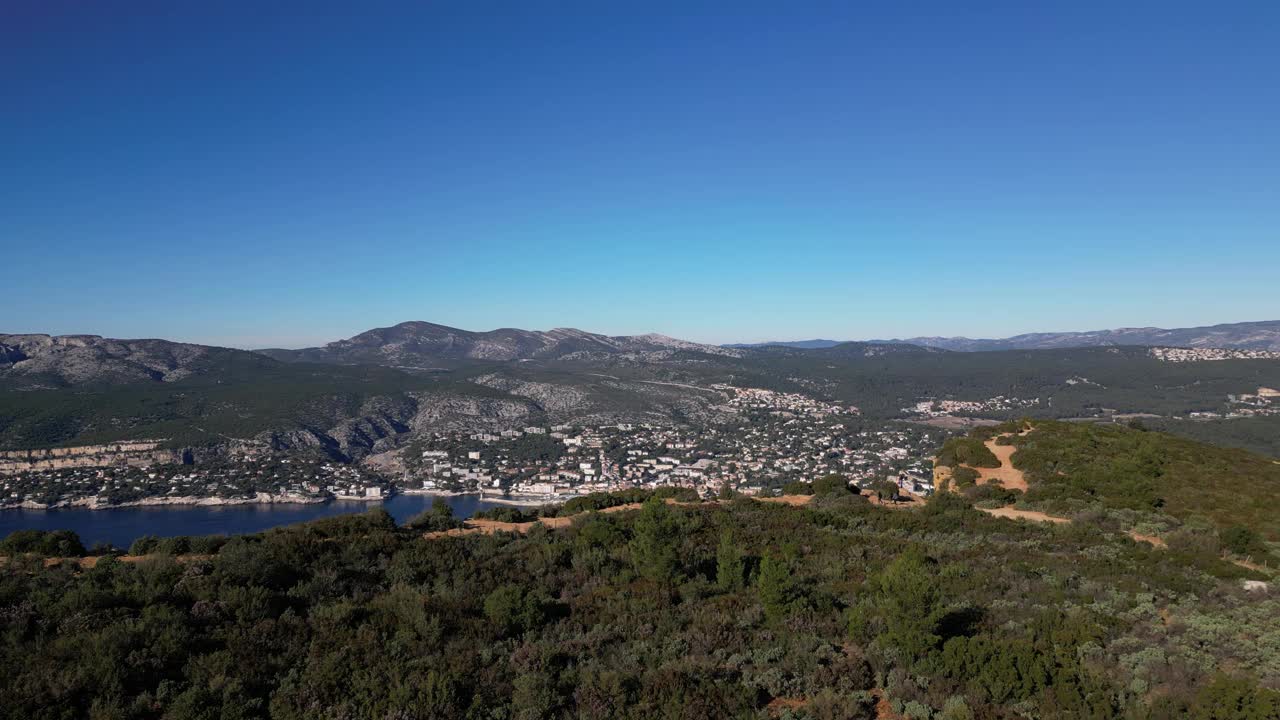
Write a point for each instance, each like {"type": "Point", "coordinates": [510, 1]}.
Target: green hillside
{"type": "Point", "coordinates": [1074, 466]}
{"type": "Point", "coordinates": [739, 610]}
{"type": "Point", "coordinates": [237, 400]}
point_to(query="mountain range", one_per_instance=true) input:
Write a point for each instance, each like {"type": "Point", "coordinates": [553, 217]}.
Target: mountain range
{"type": "Point", "coordinates": [411, 344]}
{"type": "Point", "coordinates": [381, 388]}
{"type": "Point", "coordinates": [1263, 335]}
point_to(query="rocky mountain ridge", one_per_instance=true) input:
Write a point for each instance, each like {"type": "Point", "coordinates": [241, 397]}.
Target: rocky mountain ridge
{"type": "Point", "coordinates": [50, 361]}
{"type": "Point", "coordinates": [418, 344]}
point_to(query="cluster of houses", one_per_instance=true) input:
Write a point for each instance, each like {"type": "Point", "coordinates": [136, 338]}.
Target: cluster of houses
{"type": "Point", "coordinates": [763, 440]}
{"type": "Point", "coordinates": [1172, 354]}
{"type": "Point", "coordinates": [247, 477]}
{"type": "Point", "coordinates": [770, 439]}
{"type": "Point", "coordinates": [931, 408]}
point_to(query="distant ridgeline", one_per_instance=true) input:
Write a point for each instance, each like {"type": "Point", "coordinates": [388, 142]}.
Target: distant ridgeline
{"type": "Point", "coordinates": [373, 392]}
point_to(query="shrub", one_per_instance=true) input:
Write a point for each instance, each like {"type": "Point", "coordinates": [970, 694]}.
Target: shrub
{"type": "Point", "coordinates": [967, 451]}
{"type": "Point", "coordinates": [831, 484]}
{"type": "Point", "coordinates": [438, 518]}
{"type": "Point", "coordinates": [50, 543]}
{"type": "Point", "coordinates": [964, 477]}
{"type": "Point", "coordinates": [797, 487]}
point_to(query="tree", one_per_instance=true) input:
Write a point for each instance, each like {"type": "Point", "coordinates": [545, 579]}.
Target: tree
{"type": "Point", "coordinates": [776, 587]}
{"type": "Point", "coordinates": [438, 518]}
{"type": "Point", "coordinates": [513, 610]}
{"type": "Point", "coordinates": [912, 603]}
{"type": "Point", "coordinates": [730, 567]}
{"type": "Point", "coordinates": [144, 545]}
{"type": "Point", "coordinates": [50, 543]}
{"type": "Point", "coordinates": [831, 484]}
{"type": "Point", "coordinates": [797, 487]}
{"type": "Point", "coordinates": [726, 491]}
{"type": "Point", "coordinates": [886, 490]}
{"type": "Point", "coordinates": [653, 550]}
{"type": "Point", "coordinates": [964, 477]}
{"type": "Point", "coordinates": [1241, 540]}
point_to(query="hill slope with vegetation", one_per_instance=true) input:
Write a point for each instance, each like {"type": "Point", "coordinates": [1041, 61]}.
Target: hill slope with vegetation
{"type": "Point", "coordinates": [1074, 466]}
{"type": "Point", "coordinates": [738, 609]}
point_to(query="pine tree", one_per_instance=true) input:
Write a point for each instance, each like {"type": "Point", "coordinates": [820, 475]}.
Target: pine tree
{"type": "Point", "coordinates": [777, 589]}
{"type": "Point", "coordinates": [730, 567]}
{"type": "Point", "coordinates": [912, 603]}
{"type": "Point", "coordinates": [653, 550]}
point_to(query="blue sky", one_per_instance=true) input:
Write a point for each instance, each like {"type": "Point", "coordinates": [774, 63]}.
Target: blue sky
{"type": "Point", "coordinates": [258, 174]}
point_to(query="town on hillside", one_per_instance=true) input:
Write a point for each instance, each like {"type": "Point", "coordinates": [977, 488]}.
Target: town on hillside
{"type": "Point", "coordinates": [769, 438]}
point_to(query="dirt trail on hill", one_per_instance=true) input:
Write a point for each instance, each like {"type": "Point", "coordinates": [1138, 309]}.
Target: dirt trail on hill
{"type": "Point", "coordinates": [1013, 514]}
{"type": "Point", "coordinates": [1149, 539]}
{"type": "Point", "coordinates": [91, 561]}
{"type": "Point", "coordinates": [1014, 479]}
{"type": "Point", "coordinates": [1009, 476]}
{"type": "Point", "coordinates": [787, 499]}
{"type": "Point", "coordinates": [489, 527]}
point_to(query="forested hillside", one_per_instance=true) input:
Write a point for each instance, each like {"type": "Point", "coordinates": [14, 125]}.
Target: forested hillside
{"type": "Point", "coordinates": [739, 609]}
{"type": "Point", "coordinates": [1075, 466]}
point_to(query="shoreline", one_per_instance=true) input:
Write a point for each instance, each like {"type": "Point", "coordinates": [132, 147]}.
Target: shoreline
{"type": "Point", "coordinates": [264, 498]}
{"type": "Point", "coordinates": [518, 501]}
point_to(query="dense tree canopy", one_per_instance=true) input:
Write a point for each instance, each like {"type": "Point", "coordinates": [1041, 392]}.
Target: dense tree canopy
{"type": "Point", "coordinates": [740, 609]}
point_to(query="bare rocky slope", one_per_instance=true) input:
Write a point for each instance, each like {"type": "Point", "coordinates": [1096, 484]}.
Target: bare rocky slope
{"type": "Point", "coordinates": [45, 361]}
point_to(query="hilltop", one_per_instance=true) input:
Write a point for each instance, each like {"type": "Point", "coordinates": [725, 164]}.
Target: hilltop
{"type": "Point", "coordinates": [419, 344]}
{"type": "Point", "coordinates": [1124, 476]}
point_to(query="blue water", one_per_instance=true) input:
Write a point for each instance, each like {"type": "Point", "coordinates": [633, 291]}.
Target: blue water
{"type": "Point", "coordinates": [121, 526]}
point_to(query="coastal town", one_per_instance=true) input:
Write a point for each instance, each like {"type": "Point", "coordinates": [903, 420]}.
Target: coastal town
{"type": "Point", "coordinates": [774, 438]}
{"type": "Point", "coordinates": [266, 479]}
{"type": "Point", "coordinates": [768, 439]}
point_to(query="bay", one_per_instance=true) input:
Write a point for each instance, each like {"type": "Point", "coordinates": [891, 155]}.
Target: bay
{"type": "Point", "coordinates": [121, 526]}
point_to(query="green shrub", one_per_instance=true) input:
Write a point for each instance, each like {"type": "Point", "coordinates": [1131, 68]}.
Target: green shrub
{"type": "Point", "coordinates": [797, 487]}
{"type": "Point", "coordinates": [967, 451]}
{"type": "Point", "coordinates": [49, 543]}
{"type": "Point", "coordinates": [831, 484]}
{"type": "Point", "coordinates": [964, 477]}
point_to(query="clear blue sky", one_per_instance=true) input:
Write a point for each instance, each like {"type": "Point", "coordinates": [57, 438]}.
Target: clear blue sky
{"type": "Point", "coordinates": [272, 173]}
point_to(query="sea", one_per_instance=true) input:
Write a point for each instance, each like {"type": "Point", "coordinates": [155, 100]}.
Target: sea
{"type": "Point", "coordinates": [121, 526]}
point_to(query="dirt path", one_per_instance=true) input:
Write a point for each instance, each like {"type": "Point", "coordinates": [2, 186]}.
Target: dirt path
{"type": "Point", "coordinates": [787, 499]}
{"type": "Point", "coordinates": [884, 710]}
{"type": "Point", "coordinates": [778, 704]}
{"type": "Point", "coordinates": [1014, 514]}
{"type": "Point", "coordinates": [1149, 539]}
{"type": "Point", "coordinates": [905, 500]}
{"type": "Point", "coordinates": [90, 561]}
{"type": "Point", "coordinates": [1252, 566]}
{"type": "Point", "coordinates": [1009, 476]}
{"type": "Point", "coordinates": [489, 527]}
